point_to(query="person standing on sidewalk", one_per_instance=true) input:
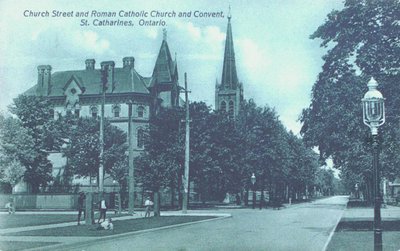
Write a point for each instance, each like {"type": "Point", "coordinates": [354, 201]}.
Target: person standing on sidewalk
{"type": "Point", "coordinates": [81, 207]}
{"type": "Point", "coordinates": [103, 209]}
{"type": "Point", "coordinates": [148, 203]}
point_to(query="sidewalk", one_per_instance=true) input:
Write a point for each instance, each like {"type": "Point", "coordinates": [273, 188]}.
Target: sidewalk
{"type": "Point", "coordinates": [355, 230]}
{"type": "Point", "coordinates": [63, 242]}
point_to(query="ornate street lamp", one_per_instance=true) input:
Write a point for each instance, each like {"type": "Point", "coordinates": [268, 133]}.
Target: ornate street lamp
{"type": "Point", "coordinates": [253, 181]}
{"type": "Point", "coordinates": [373, 117]}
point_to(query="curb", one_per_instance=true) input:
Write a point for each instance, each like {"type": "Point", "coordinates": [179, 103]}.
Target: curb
{"type": "Point", "coordinates": [333, 231]}
{"type": "Point", "coordinates": [98, 240]}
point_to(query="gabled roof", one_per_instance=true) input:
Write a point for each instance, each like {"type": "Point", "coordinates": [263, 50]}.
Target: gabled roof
{"type": "Point", "coordinates": [229, 74]}
{"type": "Point", "coordinates": [76, 80]}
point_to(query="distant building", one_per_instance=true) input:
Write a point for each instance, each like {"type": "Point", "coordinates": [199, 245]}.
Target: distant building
{"type": "Point", "coordinates": [79, 92]}
{"type": "Point", "coordinates": [229, 93]}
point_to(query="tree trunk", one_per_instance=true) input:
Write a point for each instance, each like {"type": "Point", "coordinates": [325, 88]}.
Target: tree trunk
{"type": "Point", "coordinates": [262, 198]}
{"type": "Point", "coordinates": [180, 195]}
{"type": "Point", "coordinates": [246, 197]}
{"type": "Point", "coordinates": [157, 203]}
{"type": "Point", "coordinates": [172, 194]}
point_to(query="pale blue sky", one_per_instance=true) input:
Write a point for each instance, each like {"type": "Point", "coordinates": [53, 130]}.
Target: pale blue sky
{"type": "Point", "coordinates": [276, 60]}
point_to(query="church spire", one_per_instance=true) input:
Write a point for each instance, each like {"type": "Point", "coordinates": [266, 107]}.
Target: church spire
{"type": "Point", "coordinates": [229, 74]}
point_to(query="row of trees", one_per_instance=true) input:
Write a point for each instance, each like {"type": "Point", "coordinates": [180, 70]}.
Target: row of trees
{"type": "Point", "coordinates": [364, 42]}
{"type": "Point", "coordinates": [27, 139]}
{"type": "Point", "coordinates": [224, 153]}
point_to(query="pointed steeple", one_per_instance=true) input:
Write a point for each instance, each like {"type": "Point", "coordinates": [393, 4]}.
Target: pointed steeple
{"type": "Point", "coordinates": [229, 74]}
{"type": "Point", "coordinates": [164, 69]}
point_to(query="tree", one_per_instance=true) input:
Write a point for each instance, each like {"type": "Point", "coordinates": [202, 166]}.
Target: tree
{"type": "Point", "coordinates": [325, 181]}
{"type": "Point", "coordinates": [12, 173]}
{"type": "Point", "coordinates": [83, 147]}
{"type": "Point", "coordinates": [15, 146]}
{"type": "Point", "coordinates": [364, 43]}
{"type": "Point", "coordinates": [161, 161]}
{"type": "Point", "coordinates": [33, 115]}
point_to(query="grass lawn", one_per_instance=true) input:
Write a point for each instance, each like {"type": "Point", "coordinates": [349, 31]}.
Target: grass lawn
{"type": "Point", "coordinates": [24, 220]}
{"type": "Point", "coordinates": [119, 227]}
{"type": "Point", "coordinates": [20, 245]}
{"type": "Point", "coordinates": [366, 225]}
{"type": "Point", "coordinates": [363, 240]}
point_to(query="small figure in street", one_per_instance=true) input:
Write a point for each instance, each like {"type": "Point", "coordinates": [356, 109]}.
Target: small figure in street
{"type": "Point", "coordinates": [237, 199]}
{"type": "Point", "coordinates": [106, 225]}
{"type": "Point", "coordinates": [148, 203]}
{"type": "Point", "coordinates": [10, 206]}
{"type": "Point", "coordinates": [81, 207]}
{"type": "Point", "coordinates": [103, 209]}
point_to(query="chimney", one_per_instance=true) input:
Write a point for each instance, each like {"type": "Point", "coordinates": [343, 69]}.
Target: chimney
{"type": "Point", "coordinates": [128, 62]}
{"type": "Point", "coordinates": [110, 74]}
{"type": "Point", "coordinates": [44, 80]}
{"type": "Point", "coordinates": [90, 64]}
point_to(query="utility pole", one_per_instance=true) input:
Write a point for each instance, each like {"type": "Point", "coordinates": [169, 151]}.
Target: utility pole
{"type": "Point", "coordinates": [131, 180]}
{"type": "Point", "coordinates": [104, 80]}
{"type": "Point", "coordinates": [187, 135]}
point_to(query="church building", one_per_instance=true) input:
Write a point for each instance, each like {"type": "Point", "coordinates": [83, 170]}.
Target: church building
{"type": "Point", "coordinates": [229, 93]}
{"type": "Point", "coordinates": [79, 92]}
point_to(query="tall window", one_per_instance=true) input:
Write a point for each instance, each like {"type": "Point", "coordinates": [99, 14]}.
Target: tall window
{"type": "Point", "coordinates": [140, 111]}
{"type": "Point", "coordinates": [231, 109]}
{"type": "Point", "coordinates": [51, 113]}
{"type": "Point", "coordinates": [140, 138]}
{"type": "Point", "coordinates": [77, 112]}
{"type": "Point", "coordinates": [94, 111]}
{"type": "Point", "coordinates": [116, 110]}
{"type": "Point", "coordinates": [223, 106]}
{"type": "Point", "coordinates": [69, 109]}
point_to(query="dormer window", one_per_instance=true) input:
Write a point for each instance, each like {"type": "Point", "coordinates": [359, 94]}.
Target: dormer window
{"type": "Point", "coordinates": [94, 111]}
{"type": "Point", "coordinates": [116, 110]}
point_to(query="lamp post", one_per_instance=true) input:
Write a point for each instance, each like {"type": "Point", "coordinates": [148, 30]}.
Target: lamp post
{"type": "Point", "coordinates": [253, 181]}
{"type": "Point", "coordinates": [373, 117]}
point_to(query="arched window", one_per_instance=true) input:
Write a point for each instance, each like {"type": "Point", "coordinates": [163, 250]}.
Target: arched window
{"type": "Point", "coordinates": [140, 138]}
{"type": "Point", "coordinates": [231, 109]}
{"type": "Point", "coordinates": [116, 109]}
{"type": "Point", "coordinates": [223, 106]}
{"type": "Point", "coordinates": [51, 113]}
{"type": "Point", "coordinates": [94, 111]}
{"type": "Point", "coordinates": [77, 110]}
{"type": "Point", "coordinates": [140, 111]}
{"type": "Point", "coordinates": [69, 109]}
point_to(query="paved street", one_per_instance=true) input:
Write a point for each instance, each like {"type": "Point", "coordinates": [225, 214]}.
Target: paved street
{"type": "Point", "coordinates": [299, 227]}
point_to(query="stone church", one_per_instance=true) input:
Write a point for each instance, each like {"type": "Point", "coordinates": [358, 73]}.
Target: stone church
{"type": "Point", "coordinates": [229, 93]}
{"type": "Point", "coordinates": [79, 92]}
